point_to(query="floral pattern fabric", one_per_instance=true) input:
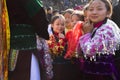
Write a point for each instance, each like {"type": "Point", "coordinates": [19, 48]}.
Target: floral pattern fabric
{"type": "Point", "coordinates": [105, 40]}
{"type": "Point", "coordinates": [56, 45]}
{"type": "Point", "coordinates": [98, 50]}
{"type": "Point", "coordinates": [46, 60]}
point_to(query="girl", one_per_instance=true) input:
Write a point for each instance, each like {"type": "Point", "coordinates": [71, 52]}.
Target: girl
{"type": "Point", "coordinates": [57, 36]}
{"type": "Point", "coordinates": [67, 15]}
{"type": "Point", "coordinates": [56, 45]}
{"type": "Point", "coordinates": [100, 40]}
{"type": "Point", "coordinates": [72, 38]}
{"type": "Point", "coordinates": [62, 68]}
{"type": "Point", "coordinates": [74, 34]}
{"type": "Point", "coordinates": [76, 16]}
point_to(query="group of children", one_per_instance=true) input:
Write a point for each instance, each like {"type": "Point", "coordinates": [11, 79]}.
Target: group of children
{"type": "Point", "coordinates": [84, 40]}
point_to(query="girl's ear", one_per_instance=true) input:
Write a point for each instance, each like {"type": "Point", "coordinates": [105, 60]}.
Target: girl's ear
{"type": "Point", "coordinates": [108, 14]}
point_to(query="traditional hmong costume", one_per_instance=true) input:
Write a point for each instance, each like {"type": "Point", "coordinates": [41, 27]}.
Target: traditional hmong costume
{"type": "Point", "coordinates": [63, 69]}
{"type": "Point", "coordinates": [73, 36]}
{"type": "Point", "coordinates": [27, 19]}
{"type": "Point", "coordinates": [99, 49]}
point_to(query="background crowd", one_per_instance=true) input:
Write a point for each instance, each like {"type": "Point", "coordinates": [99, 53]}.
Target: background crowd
{"type": "Point", "coordinates": [64, 4]}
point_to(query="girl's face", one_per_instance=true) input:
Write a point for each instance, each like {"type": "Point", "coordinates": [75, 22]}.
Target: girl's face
{"type": "Point", "coordinates": [58, 25]}
{"type": "Point", "coordinates": [67, 18]}
{"type": "Point", "coordinates": [97, 11]}
{"type": "Point", "coordinates": [74, 20]}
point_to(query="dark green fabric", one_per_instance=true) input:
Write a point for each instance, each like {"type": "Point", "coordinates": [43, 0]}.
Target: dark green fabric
{"type": "Point", "coordinates": [22, 37]}
{"type": "Point", "coordinates": [33, 6]}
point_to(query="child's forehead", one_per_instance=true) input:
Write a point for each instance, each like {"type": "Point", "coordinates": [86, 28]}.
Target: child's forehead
{"type": "Point", "coordinates": [67, 14]}
{"type": "Point", "coordinates": [97, 3]}
{"type": "Point", "coordinates": [60, 19]}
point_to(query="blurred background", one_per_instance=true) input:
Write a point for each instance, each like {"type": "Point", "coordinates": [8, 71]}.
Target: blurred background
{"type": "Point", "coordinates": [61, 5]}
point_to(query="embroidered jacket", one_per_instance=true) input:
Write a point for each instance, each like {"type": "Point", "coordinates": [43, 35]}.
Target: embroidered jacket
{"type": "Point", "coordinates": [105, 39]}
{"type": "Point", "coordinates": [98, 48]}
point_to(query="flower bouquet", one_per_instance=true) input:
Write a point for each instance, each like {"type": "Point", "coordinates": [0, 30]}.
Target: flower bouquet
{"type": "Point", "coordinates": [56, 47]}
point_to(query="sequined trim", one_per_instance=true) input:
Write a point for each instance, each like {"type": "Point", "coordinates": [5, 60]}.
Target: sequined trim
{"type": "Point", "coordinates": [41, 44]}
{"type": "Point", "coordinates": [13, 59]}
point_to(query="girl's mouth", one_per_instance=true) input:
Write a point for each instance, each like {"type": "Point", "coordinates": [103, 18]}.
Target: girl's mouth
{"type": "Point", "coordinates": [94, 17]}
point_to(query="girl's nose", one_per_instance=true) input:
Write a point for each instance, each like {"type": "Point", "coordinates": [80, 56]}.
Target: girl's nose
{"type": "Point", "coordinates": [94, 11]}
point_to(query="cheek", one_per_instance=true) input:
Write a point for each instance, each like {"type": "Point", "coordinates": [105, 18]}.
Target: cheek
{"type": "Point", "coordinates": [103, 13]}
{"type": "Point", "coordinates": [61, 29]}
{"type": "Point", "coordinates": [103, 16]}
{"type": "Point", "coordinates": [55, 29]}
{"type": "Point", "coordinates": [72, 23]}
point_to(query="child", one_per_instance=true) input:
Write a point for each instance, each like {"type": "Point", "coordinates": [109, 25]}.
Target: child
{"type": "Point", "coordinates": [73, 35]}
{"type": "Point", "coordinates": [57, 36]}
{"type": "Point", "coordinates": [62, 68]}
{"type": "Point", "coordinates": [67, 15]}
{"type": "Point", "coordinates": [100, 40]}
{"type": "Point", "coordinates": [76, 16]}
{"type": "Point", "coordinates": [72, 38]}
{"type": "Point", "coordinates": [56, 45]}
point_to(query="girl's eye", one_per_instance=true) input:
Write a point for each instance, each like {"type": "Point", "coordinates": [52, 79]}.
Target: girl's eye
{"type": "Point", "coordinates": [99, 9]}
{"type": "Point", "coordinates": [58, 24]}
{"type": "Point", "coordinates": [90, 9]}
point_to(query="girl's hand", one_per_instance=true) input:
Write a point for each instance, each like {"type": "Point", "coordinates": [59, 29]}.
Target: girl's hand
{"type": "Point", "coordinates": [87, 26]}
{"type": "Point", "coordinates": [52, 38]}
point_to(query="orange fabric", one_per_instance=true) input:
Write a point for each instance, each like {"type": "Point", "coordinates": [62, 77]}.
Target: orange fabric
{"type": "Point", "coordinates": [4, 40]}
{"type": "Point", "coordinates": [72, 37]}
